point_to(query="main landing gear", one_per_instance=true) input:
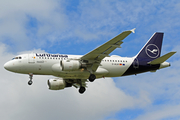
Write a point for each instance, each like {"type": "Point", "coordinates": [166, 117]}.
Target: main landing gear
{"type": "Point", "coordinates": [82, 86]}
{"type": "Point", "coordinates": [30, 81]}
{"type": "Point", "coordinates": [92, 77]}
{"type": "Point", "coordinates": [82, 90]}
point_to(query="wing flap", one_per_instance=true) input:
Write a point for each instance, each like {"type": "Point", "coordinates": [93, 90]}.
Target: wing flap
{"type": "Point", "coordinates": [162, 58]}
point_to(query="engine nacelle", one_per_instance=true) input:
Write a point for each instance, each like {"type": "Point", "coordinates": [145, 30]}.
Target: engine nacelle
{"type": "Point", "coordinates": [70, 65]}
{"type": "Point", "coordinates": [56, 84]}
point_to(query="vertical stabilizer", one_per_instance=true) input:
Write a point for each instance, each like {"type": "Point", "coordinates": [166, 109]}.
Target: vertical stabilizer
{"type": "Point", "coordinates": [152, 49]}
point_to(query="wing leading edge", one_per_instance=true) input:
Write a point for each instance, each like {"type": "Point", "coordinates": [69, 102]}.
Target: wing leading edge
{"type": "Point", "coordinates": [95, 56]}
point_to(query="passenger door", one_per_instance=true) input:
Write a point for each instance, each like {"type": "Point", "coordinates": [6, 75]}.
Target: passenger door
{"type": "Point", "coordinates": [31, 58]}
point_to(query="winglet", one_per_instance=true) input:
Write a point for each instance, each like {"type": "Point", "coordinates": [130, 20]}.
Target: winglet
{"type": "Point", "coordinates": [133, 30]}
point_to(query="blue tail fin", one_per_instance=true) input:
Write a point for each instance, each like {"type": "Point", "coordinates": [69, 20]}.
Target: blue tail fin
{"type": "Point", "coordinates": [152, 49]}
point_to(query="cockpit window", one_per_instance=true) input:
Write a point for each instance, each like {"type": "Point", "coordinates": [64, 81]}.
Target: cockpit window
{"type": "Point", "coordinates": [17, 58]}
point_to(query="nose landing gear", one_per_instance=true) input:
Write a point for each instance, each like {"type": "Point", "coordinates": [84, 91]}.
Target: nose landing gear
{"type": "Point", "coordinates": [30, 81]}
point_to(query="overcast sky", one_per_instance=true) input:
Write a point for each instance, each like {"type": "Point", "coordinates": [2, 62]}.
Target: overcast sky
{"type": "Point", "coordinates": [77, 27]}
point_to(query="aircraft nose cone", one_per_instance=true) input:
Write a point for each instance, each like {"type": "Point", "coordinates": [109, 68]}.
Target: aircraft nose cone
{"type": "Point", "coordinates": [7, 66]}
{"type": "Point", "coordinates": [12, 66]}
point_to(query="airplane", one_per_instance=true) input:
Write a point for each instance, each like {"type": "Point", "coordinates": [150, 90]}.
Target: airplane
{"type": "Point", "coordinates": [77, 70]}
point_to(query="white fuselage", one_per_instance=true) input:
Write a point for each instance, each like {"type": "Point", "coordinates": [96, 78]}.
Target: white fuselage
{"type": "Point", "coordinates": [113, 66]}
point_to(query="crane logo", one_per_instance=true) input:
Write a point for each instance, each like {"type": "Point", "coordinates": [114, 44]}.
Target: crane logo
{"type": "Point", "coordinates": [152, 51]}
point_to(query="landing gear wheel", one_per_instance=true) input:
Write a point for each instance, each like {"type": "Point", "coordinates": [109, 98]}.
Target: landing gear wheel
{"type": "Point", "coordinates": [92, 77]}
{"type": "Point", "coordinates": [30, 82]}
{"type": "Point", "coordinates": [82, 90]}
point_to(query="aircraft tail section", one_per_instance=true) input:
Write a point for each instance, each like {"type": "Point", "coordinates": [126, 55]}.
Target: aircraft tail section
{"type": "Point", "coordinates": [152, 49]}
{"type": "Point", "coordinates": [148, 59]}
{"type": "Point", "coordinates": [162, 58]}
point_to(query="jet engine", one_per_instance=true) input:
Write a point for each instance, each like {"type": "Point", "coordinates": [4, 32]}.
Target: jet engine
{"type": "Point", "coordinates": [70, 65]}
{"type": "Point", "coordinates": [56, 84]}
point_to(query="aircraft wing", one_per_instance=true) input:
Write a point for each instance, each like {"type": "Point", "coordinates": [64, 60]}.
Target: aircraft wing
{"type": "Point", "coordinates": [95, 56]}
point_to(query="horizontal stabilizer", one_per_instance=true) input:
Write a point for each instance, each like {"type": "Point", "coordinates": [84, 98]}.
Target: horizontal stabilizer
{"type": "Point", "coordinates": [162, 58]}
